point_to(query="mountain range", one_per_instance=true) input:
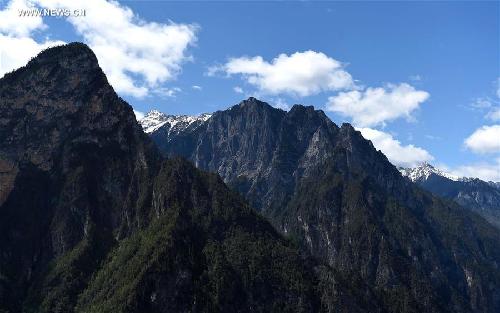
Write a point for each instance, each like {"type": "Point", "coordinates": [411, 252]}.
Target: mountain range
{"type": "Point", "coordinates": [343, 202]}
{"type": "Point", "coordinates": [272, 211]}
{"type": "Point", "coordinates": [471, 193]}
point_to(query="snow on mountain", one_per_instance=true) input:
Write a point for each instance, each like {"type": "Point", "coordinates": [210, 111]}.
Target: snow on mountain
{"type": "Point", "coordinates": [152, 121]}
{"type": "Point", "coordinates": [155, 119]}
{"type": "Point", "coordinates": [424, 170]}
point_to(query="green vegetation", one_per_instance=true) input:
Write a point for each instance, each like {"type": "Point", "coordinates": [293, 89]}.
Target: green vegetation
{"type": "Point", "coordinates": [204, 250]}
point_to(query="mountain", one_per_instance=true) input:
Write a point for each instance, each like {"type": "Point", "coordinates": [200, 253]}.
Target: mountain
{"type": "Point", "coordinates": [471, 193]}
{"type": "Point", "coordinates": [94, 219]}
{"type": "Point", "coordinates": [162, 127]}
{"type": "Point", "coordinates": [342, 201]}
{"type": "Point", "coordinates": [172, 124]}
{"type": "Point", "coordinates": [425, 171]}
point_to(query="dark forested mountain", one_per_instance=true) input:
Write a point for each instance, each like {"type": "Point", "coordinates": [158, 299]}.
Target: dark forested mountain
{"type": "Point", "coordinates": [93, 219]}
{"type": "Point", "coordinates": [471, 193]}
{"type": "Point", "coordinates": [331, 191]}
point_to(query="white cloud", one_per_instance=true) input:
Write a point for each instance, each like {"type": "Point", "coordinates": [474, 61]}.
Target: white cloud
{"type": "Point", "coordinates": [375, 106]}
{"type": "Point", "coordinates": [196, 87]}
{"type": "Point", "coordinates": [301, 73]}
{"type": "Point", "coordinates": [137, 56]}
{"type": "Point", "coordinates": [238, 89]}
{"type": "Point", "coordinates": [398, 154]}
{"type": "Point", "coordinates": [17, 51]}
{"type": "Point", "coordinates": [16, 45]}
{"type": "Point", "coordinates": [128, 46]}
{"type": "Point", "coordinates": [138, 115]}
{"type": "Point", "coordinates": [484, 140]}
{"type": "Point", "coordinates": [484, 171]}
{"type": "Point", "coordinates": [11, 23]}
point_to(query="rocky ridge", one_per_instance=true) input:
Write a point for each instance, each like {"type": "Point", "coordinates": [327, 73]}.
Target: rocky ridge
{"type": "Point", "coordinates": [347, 205]}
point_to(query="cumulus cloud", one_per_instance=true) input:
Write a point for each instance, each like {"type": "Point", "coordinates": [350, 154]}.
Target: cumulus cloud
{"type": "Point", "coordinates": [137, 56]}
{"type": "Point", "coordinates": [11, 23]}
{"type": "Point", "coordinates": [238, 89]}
{"type": "Point", "coordinates": [375, 106]}
{"type": "Point", "coordinates": [17, 51]}
{"type": "Point", "coordinates": [300, 74]}
{"type": "Point", "coordinates": [127, 46]}
{"type": "Point", "coordinates": [196, 87]}
{"type": "Point", "coordinates": [16, 45]}
{"type": "Point", "coordinates": [484, 140]}
{"type": "Point", "coordinates": [397, 153]}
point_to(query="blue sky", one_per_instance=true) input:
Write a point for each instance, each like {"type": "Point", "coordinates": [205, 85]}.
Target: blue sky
{"type": "Point", "coordinates": [420, 79]}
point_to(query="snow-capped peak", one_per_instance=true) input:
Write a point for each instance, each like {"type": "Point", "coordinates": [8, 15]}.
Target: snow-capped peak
{"type": "Point", "coordinates": [155, 119]}
{"type": "Point", "coordinates": [423, 171]}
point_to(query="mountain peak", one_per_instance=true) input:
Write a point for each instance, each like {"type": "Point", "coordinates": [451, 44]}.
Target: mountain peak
{"type": "Point", "coordinates": [155, 114]}
{"type": "Point", "coordinates": [68, 71]}
{"type": "Point", "coordinates": [64, 93]}
{"type": "Point", "coordinates": [253, 102]}
{"type": "Point", "coordinates": [155, 120]}
{"type": "Point", "coordinates": [300, 107]}
{"type": "Point", "coordinates": [423, 171]}
{"type": "Point", "coordinates": [71, 49]}
{"type": "Point", "coordinates": [74, 57]}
